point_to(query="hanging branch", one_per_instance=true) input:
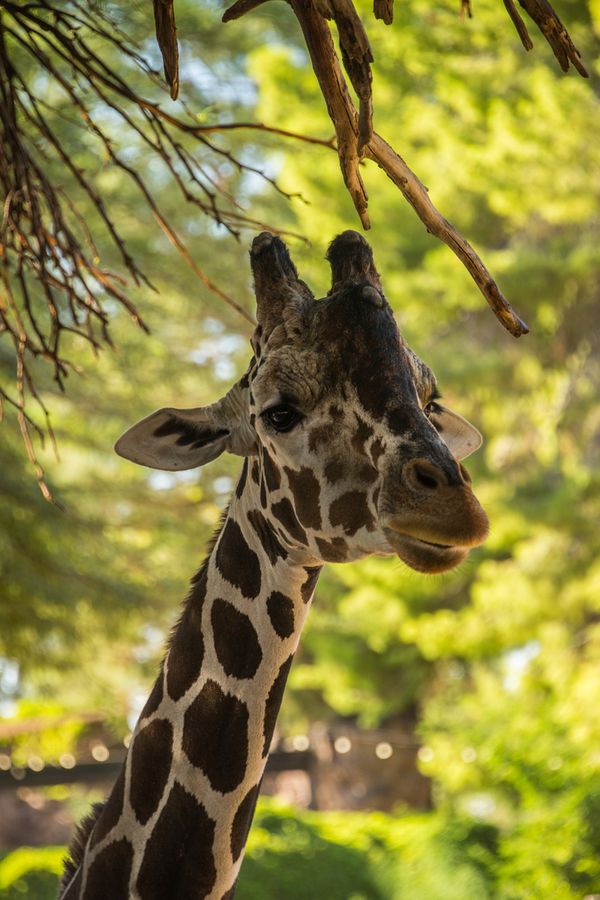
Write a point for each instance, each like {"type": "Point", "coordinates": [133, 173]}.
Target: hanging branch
{"type": "Point", "coordinates": [51, 278]}
{"type": "Point", "coordinates": [166, 35]}
{"type": "Point", "coordinates": [355, 136]}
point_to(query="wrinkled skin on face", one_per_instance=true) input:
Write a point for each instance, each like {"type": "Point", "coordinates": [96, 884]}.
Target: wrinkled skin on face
{"type": "Point", "coordinates": [348, 445]}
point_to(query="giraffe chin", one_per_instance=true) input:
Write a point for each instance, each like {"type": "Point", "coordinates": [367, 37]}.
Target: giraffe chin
{"type": "Point", "coordinates": [425, 556]}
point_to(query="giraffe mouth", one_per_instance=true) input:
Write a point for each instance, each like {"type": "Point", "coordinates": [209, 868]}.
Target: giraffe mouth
{"type": "Point", "coordinates": [432, 544]}
{"type": "Point", "coordinates": [425, 556]}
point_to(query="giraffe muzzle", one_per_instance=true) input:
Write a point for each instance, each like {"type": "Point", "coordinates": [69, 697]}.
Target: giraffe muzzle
{"type": "Point", "coordinates": [425, 556]}
{"type": "Point", "coordinates": [432, 525]}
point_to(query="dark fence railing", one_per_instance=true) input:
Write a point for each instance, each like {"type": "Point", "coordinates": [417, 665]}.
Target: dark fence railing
{"type": "Point", "coordinates": [106, 772]}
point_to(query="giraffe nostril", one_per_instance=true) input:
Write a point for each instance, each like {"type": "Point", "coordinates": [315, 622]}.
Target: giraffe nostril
{"type": "Point", "coordinates": [424, 478]}
{"type": "Point", "coordinates": [423, 475]}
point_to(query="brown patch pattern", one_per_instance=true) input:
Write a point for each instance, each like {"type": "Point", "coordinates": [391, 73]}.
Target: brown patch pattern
{"type": "Point", "coordinates": [111, 811]}
{"type": "Point", "coordinates": [155, 698]}
{"type": "Point", "coordinates": [401, 419]}
{"type": "Point", "coordinates": [351, 511]}
{"type": "Point", "coordinates": [274, 702]}
{"type": "Point", "coordinates": [306, 490]}
{"type": "Point", "coordinates": [242, 821]}
{"type": "Point", "coordinates": [178, 860]}
{"type": "Point", "coordinates": [368, 474]}
{"type": "Point", "coordinates": [308, 588]}
{"type": "Point", "coordinates": [108, 875]}
{"type": "Point", "coordinates": [150, 765]}
{"type": "Point", "coordinates": [236, 641]}
{"type": "Point", "coordinates": [267, 536]}
{"type": "Point", "coordinates": [272, 473]}
{"type": "Point", "coordinates": [335, 550]}
{"type": "Point", "coordinates": [187, 645]}
{"type": "Point", "coordinates": [284, 512]}
{"type": "Point", "coordinates": [369, 393]}
{"type": "Point", "coordinates": [237, 562]}
{"type": "Point", "coordinates": [242, 480]}
{"type": "Point", "coordinates": [321, 434]}
{"type": "Point", "coordinates": [215, 737]}
{"type": "Point", "coordinates": [281, 613]}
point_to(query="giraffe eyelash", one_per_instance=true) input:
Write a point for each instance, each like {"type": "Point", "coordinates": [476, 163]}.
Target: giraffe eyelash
{"type": "Point", "coordinates": [282, 417]}
{"type": "Point", "coordinates": [431, 405]}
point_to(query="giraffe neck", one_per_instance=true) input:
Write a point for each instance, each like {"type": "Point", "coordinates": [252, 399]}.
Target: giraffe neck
{"type": "Point", "coordinates": [176, 822]}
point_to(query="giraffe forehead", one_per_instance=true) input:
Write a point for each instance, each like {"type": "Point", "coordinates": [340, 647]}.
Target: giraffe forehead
{"type": "Point", "coordinates": [339, 340]}
{"type": "Point", "coordinates": [357, 334]}
{"type": "Point", "coordinates": [290, 372]}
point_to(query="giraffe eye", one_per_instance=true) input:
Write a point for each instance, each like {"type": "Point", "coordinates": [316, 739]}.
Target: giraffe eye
{"type": "Point", "coordinates": [282, 417]}
{"type": "Point", "coordinates": [431, 407]}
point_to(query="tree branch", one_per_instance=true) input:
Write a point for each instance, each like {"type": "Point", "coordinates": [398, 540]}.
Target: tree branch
{"type": "Point", "coordinates": [355, 138]}
{"type": "Point", "coordinates": [51, 281]}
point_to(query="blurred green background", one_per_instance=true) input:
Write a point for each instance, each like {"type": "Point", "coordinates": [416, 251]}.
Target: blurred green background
{"type": "Point", "coordinates": [496, 665]}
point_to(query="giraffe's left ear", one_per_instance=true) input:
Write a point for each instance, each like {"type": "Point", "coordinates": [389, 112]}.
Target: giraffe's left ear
{"type": "Point", "coordinates": [460, 436]}
{"type": "Point", "coordinates": [179, 439]}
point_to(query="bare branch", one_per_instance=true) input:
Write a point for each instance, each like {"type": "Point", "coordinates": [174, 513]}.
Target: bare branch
{"type": "Point", "coordinates": [347, 122]}
{"type": "Point", "coordinates": [166, 35]}
{"type": "Point", "coordinates": [357, 58]}
{"type": "Point", "coordinates": [51, 280]}
{"type": "Point", "coordinates": [519, 24]}
{"type": "Point", "coordinates": [384, 9]}
{"type": "Point", "coordinates": [555, 33]}
{"type": "Point", "coordinates": [240, 8]}
{"type": "Point", "coordinates": [416, 194]}
{"type": "Point", "coordinates": [339, 105]}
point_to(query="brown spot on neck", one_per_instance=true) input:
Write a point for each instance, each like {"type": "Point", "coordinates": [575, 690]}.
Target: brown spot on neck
{"type": "Point", "coordinates": [274, 702]}
{"type": "Point", "coordinates": [267, 537]}
{"type": "Point", "coordinates": [335, 550]}
{"type": "Point", "coordinates": [215, 737]}
{"type": "Point", "coordinates": [272, 473]}
{"type": "Point", "coordinates": [108, 875]}
{"type": "Point", "coordinates": [308, 588]}
{"type": "Point", "coordinates": [306, 490]}
{"type": "Point", "coordinates": [151, 757]}
{"type": "Point", "coordinates": [284, 512]}
{"type": "Point", "coordinates": [235, 640]}
{"type": "Point", "coordinates": [237, 562]}
{"type": "Point", "coordinates": [179, 852]}
{"type": "Point", "coordinates": [352, 512]}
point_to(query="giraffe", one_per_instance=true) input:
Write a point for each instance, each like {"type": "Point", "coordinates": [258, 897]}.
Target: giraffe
{"type": "Point", "coordinates": [347, 452]}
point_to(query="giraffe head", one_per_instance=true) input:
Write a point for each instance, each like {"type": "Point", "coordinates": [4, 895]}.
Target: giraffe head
{"type": "Point", "coordinates": [347, 445]}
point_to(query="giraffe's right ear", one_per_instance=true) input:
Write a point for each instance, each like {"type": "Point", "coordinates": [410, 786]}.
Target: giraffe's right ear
{"type": "Point", "coordinates": [179, 439]}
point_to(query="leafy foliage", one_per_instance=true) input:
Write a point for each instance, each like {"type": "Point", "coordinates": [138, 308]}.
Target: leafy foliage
{"type": "Point", "coordinates": [342, 856]}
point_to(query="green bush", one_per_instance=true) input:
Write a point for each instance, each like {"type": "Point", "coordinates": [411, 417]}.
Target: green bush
{"type": "Point", "coordinates": [364, 856]}
{"type": "Point", "coordinates": [31, 872]}
{"type": "Point", "coordinates": [308, 855]}
{"type": "Point", "coordinates": [373, 856]}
